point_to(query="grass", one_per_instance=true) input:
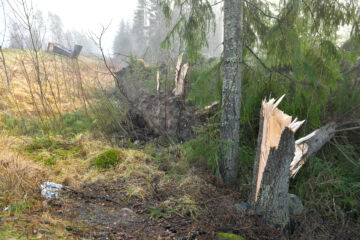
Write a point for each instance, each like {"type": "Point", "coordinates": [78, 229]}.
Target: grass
{"type": "Point", "coordinates": [19, 176]}
{"type": "Point", "coordinates": [55, 142]}
{"type": "Point", "coordinates": [66, 147]}
{"type": "Point", "coordinates": [228, 236]}
{"type": "Point", "coordinates": [61, 84]}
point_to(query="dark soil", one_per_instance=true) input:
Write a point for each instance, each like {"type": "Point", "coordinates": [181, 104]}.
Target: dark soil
{"type": "Point", "coordinates": [111, 214]}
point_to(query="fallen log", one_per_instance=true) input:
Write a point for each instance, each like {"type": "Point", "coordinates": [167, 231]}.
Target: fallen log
{"type": "Point", "coordinates": [310, 145]}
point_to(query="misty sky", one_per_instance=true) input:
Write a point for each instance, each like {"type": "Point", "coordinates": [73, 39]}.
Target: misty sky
{"type": "Point", "coordinates": [87, 15]}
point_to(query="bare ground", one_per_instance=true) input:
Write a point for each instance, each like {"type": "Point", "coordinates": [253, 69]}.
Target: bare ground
{"type": "Point", "coordinates": [110, 214]}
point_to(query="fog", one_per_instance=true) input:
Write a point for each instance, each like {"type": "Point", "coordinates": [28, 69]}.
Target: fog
{"type": "Point", "coordinates": [83, 15]}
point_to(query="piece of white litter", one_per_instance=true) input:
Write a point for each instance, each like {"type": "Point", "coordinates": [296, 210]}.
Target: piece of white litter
{"type": "Point", "coordinates": [5, 209]}
{"type": "Point", "coordinates": [50, 190]}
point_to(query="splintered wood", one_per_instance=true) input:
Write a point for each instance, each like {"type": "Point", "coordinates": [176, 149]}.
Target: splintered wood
{"type": "Point", "coordinates": [274, 123]}
{"type": "Point", "coordinates": [301, 150]}
{"type": "Point", "coordinates": [157, 81]}
{"type": "Point", "coordinates": [180, 76]}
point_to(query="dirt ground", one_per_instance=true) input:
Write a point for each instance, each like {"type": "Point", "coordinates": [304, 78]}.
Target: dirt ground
{"type": "Point", "coordinates": [111, 214]}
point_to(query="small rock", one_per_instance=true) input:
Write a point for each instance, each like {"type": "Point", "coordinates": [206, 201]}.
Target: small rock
{"type": "Point", "coordinates": [241, 208]}
{"type": "Point", "coordinates": [295, 205]}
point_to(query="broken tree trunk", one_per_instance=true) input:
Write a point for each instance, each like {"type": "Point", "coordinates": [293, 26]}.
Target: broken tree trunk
{"type": "Point", "coordinates": [276, 148]}
{"type": "Point", "coordinates": [310, 144]}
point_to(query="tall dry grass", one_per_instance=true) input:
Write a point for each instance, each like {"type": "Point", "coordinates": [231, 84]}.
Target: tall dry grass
{"type": "Point", "coordinates": [19, 176]}
{"type": "Point", "coordinates": [65, 84]}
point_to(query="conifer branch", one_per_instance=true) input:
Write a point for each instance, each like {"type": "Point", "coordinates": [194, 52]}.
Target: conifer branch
{"type": "Point", "coordinates": [264, 65]}
{"type": "Point", "coordinates": [261, 11]}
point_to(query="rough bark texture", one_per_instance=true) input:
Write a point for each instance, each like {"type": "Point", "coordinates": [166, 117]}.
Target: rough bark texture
{"type": "Point", "coordinates": [230, 120]}
{"type": "Point", "coordinates": [272, 203]}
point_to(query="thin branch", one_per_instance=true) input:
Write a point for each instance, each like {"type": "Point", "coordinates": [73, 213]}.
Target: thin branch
{"type": "Point", "coordinates": [3, 60]}
{"type": "Point", "coordinates": [357, 66]}
{"type": "Point", "coordinates": [347, 129]}
{"type": "Point", "coordinates": [343, 153]}
{"type": "Point", "coordinates": [121, 54]}
{"type": "Point", "coordinates": [266, 67]}
{"type": "Point", "coordinates": [214, 4]}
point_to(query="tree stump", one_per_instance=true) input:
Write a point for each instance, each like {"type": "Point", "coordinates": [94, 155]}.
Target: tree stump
{"type": "Point", "coordinates": [276, 148]}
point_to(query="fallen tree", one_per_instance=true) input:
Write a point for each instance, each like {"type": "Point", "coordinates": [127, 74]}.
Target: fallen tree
{"type": "Point", "coordinates": [163, 113]}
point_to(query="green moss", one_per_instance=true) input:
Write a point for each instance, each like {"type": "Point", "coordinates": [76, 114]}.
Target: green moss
{"type": "Point", "coordinates": [228, 236]}
{"type": "Point", "coordinates": [108, 158]}
{"type": "Point", "coordinates": [42, 143]}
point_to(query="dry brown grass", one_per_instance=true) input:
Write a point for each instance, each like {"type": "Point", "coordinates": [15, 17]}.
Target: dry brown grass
{"type": "Point", "coordinates": [65, 90]}
{"type": "Point", "coordinates": [19, 176]}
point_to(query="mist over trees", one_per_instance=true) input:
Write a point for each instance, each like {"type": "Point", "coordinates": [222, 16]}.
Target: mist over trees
{"type": "Point", "coordinates": [149, 28]}
{"type": "Point", "coordinates": [33, 28]}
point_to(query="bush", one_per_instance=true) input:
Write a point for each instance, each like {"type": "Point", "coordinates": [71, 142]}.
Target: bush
{"type": "Point", "coordinates": [108, 159]}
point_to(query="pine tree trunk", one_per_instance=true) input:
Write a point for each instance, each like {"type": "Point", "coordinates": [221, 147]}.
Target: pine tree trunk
{"type": "Point", "coordinates": [230, 120]}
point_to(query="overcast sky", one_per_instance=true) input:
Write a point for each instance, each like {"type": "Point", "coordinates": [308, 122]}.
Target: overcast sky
{"type": "Point", "coordinates": [86, 15]}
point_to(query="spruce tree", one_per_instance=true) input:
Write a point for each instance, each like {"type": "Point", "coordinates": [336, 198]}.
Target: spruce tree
{"type": "Point", "coordinates": [139, 29]}
{"type": "Point", "coordinates": [231, 94]}
{"type": "Point", "coordinates": [122, 46]}
{"type": "Point", "coordinates": [156, 31]}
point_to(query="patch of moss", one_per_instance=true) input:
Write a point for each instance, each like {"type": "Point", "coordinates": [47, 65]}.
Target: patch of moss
{"type": "Point", "coordinates": [228, 236]}
{"type": "Point", "coordinates": [42, 143]}
{"type": "Point", "coordinates": [47, 144]}
{"type": "Point", "coordinates": [108, 158]}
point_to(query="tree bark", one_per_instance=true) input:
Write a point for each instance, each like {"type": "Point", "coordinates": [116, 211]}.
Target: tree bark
{"type": "Point", "coordinates": [272, 199]}
{"type": "Point", "coordinates": [271, 173]}
{"type": "Point", "coordinates": [230, 120]}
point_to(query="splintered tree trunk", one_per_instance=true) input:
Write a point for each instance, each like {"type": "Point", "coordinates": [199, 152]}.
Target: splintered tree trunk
{"type": "Point", "coordinates": [230, 119]}
{"type": "Point", "coordinates": [276, 148]}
